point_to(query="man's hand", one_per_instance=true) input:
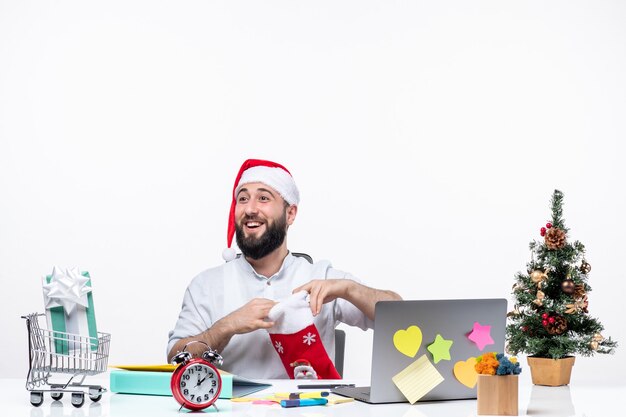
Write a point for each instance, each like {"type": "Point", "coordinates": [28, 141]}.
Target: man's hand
{"type": "Point", "coordinates": [364, 298]}
{"type": "Point", "coordinates": [246, 319]}
{"type": "Point", "coordinates": [323, 291]}
{"type": "Point", "coordinates": [249, 317]}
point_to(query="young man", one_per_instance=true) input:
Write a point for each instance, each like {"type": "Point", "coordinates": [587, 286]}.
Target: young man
{"type": "Point", "coordinates": [227, 307]}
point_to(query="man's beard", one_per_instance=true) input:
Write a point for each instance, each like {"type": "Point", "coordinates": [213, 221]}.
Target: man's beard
{"type": "Point", "coordinates": [257, 248]}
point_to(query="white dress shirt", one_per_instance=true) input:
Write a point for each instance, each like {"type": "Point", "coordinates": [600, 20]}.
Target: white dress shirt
{"type": "Point", "coordinates": [219, 291]}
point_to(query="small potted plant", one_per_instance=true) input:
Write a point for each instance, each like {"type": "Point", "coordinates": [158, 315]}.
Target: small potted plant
{"type": "Point", "coordinates": [551, 322]}
{"type": "Point", "coordinates": [497, 384]}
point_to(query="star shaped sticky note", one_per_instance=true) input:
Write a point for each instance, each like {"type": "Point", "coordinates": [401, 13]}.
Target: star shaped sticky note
{"type": "Point", "coordinates": [481, 335]}
{"type": "Point", "coordinates": [440, 348]}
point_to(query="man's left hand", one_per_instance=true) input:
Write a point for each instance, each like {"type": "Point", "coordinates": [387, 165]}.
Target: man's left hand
{"type": "Point", "coordinates": [323, 291]}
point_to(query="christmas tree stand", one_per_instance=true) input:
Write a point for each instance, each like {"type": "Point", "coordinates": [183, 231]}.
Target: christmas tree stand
{"type": "Point", "coordinates": [497, 395]}
{"type": "Point", "coordinates": [551, 372]}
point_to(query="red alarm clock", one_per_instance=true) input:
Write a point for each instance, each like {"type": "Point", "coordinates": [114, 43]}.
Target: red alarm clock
{"type": "Point", "coordinates": [196, 382]}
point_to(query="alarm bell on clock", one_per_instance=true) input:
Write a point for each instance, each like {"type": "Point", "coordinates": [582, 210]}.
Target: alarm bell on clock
{"type": "Point", "coordinates": [196, 382]}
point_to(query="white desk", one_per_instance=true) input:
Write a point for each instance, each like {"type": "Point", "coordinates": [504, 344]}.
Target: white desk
{"type": "Point", "coordinates": [533, 400]}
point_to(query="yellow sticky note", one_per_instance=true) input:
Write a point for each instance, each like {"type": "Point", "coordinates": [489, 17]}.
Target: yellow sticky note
{"type": "Point", "coordinates": [417, 379]}
{"type": "Point", "coordinates": [151, 368]}
{"type": "Point", "coordinates": [338, 399]}
{"type": "Point", "coordinates": [465, 372]}
{"type": "Point", "coordinates": [408, 341]}
{"type": "Point", "coordinates": [270, 398]}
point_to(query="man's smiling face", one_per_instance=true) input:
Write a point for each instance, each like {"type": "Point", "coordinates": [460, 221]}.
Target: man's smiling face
{"type": "Point", "coordinates": [261, 220]}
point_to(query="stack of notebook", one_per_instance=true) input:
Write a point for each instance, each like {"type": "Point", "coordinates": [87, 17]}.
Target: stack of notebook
{"type": "Point", "coordinates": [155, 380]}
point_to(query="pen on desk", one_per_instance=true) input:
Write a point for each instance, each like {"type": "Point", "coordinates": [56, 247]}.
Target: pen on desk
{"type": "Point", "coordinates": [303, 402]}
{"type": "Point", "coordinates": [323, 386]}
{"type": "Point", "coordinates": [298, 395]}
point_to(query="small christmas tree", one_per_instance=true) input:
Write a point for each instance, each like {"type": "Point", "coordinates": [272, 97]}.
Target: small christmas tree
{"type": "Point", "coordinates": [551, 318]}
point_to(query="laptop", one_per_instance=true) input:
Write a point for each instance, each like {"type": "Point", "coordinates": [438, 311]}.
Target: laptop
{"type": "Point", "coordinates": [454, 320]}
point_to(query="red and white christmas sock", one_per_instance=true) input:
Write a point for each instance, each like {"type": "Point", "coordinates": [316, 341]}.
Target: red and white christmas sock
{"type": "Point", "coordinates": [296, 339]}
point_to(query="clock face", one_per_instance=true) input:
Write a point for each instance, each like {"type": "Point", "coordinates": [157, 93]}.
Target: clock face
{"type": "Point", "coordinates": [199, 385]}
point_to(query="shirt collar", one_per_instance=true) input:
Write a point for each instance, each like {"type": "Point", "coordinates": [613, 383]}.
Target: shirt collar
{"type": "Point", "coordinates": [245, 265]}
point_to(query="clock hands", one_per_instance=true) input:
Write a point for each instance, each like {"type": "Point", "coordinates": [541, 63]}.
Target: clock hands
{"type": "Point", "coordinates": [200, 381]}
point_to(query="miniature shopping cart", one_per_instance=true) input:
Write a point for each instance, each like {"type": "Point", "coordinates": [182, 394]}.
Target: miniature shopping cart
{"type": "Point", "coordinates": [54, 354]}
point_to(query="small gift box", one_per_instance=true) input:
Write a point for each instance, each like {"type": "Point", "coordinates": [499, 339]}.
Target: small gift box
{"type": "Point", "coordinates": [69, 310]}
{"type": "Point", "coordinates": [497, 385]}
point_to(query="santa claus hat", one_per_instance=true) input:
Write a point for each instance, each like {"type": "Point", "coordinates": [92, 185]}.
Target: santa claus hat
{"type": "Point", "coordinates": [269, 173]}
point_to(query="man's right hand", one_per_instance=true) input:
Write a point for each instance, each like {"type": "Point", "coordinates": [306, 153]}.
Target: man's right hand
{"type": "Point", "coordinates": [246, 319]}
{"type": "Point", "coordinates": [249, 317]}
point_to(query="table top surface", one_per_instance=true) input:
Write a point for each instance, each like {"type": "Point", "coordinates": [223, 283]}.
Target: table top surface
{"type": "Point", "coordinates": [576, 400]}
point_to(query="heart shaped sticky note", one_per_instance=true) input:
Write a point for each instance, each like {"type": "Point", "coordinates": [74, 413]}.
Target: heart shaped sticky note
{"type": "Point", "coordinates": [408, 341]}
{"type": "Point", "coordinates": [465, 372]}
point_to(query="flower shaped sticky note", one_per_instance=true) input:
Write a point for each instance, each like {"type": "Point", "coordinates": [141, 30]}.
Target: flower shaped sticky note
{"type": "Point", "coordinates": [408, 341]}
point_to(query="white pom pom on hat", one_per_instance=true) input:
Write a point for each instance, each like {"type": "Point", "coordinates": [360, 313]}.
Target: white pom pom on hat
{"type": "Point", "coordinates": [229, 254]}
{"type": "Point", "coordinates": [267, 172]}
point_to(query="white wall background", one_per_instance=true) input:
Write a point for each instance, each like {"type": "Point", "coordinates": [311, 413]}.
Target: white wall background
{"type": "Point", "coordinates": [426, 137]}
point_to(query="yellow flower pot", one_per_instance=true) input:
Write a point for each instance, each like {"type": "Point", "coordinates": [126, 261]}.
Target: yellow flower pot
{"type": "Point", "coordinates": [551, 372]}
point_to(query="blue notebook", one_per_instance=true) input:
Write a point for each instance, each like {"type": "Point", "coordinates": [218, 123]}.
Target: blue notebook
{"type": "Point", "coordinates": [158, 383]}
